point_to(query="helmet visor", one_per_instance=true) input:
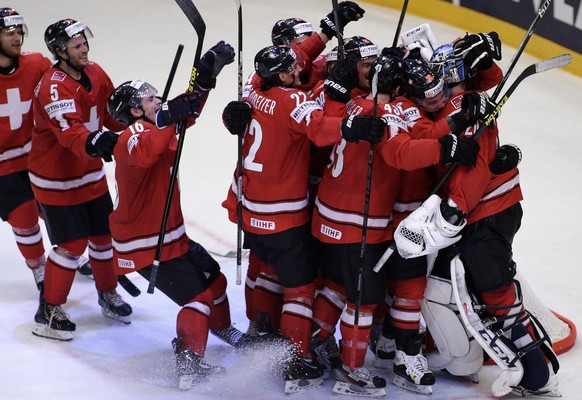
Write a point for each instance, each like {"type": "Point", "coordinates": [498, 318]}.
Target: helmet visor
{"type": "Point", "coordinates": [143, 91]}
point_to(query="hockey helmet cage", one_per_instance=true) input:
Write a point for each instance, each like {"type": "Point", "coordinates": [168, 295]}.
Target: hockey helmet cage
{"type": "Point", "coordinates": [10, 19]}
{"type": "Point", "coordinates": [389, 69]}
{"type": "Point", "coordinates": [447, 65]}
{"type": "Point", "coordinates": [274, 59]}
{"type": "Point", "coordinates": [127, 95]}
{"type": "Point", "coordinates": [357, 48]}
{"type": "Point", "coordinates": [420, 81]}
{"type": "Point", "coordinates": [285, 30]}
{"type": "Point", "coordinates": [58, 34]}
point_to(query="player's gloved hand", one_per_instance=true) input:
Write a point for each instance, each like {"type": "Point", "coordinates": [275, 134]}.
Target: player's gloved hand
{"type": "Point", "coordinates": [211, 64]}
{"type": "Point", "coordinates": [458, 149]}
{"type": "Point", "coordinates": [478, 50]}
{"type": "Point", "coordinates": [347, 11]}
{"type": "Point", "coordinates": [101, 143]}
{"type": "Point", "coordinates": [396, 51]}
{"type": "Point", "coordinates": [179, 109]}
{"type": "Point", "coordinates": [342, 78]}
{"type": "Point", "coordinates": [366, 127]}
{"type": "Point", "coordinates": [236, 116]}
{"type": "Point", "coordinates": [507, 157]}
{"type": "Point", "coordinates": [475, 106]}
{"type": "Point", "coordinates": [452, 214]}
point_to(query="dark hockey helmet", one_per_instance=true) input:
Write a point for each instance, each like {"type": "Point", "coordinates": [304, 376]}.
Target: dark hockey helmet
{"type": "Point", "coordinates": [447, 65]}
{"type": "Point", "coordinates": [285, 30]}
{"type": "Point", "coordinates": [127, 95]}
{"type": "Point", "coordinates": [389, 69]}
{"type": "Point", "coordinates": [274, 59]}
{"type": "Point", "coordinates": [419, 81]}
{"type": "Point", "coordinates": [57, 35]}
{"type": "Point", "coordinates": [10, 18]}
{"type": "Point", "coordinates": [359, 48]}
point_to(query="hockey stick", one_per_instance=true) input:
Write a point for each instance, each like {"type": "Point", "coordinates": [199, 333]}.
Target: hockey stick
{"type": "Point", "coordinates": [239, 153]}
{"type": "Point", "coordinates": [191, 12]}
{"type": "Point", "coordinates": [338, 32]}
{"type": "Point", "coordinates": [541, 66]}
{"type": "Point", "coordinates": [400, 21]}
{"type": "Point", "coordinates": [172, 72]}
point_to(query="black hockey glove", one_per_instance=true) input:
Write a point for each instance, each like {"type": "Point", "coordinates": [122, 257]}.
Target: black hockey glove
{"type": "Point", "coordinates": [507, 157]}
{"type": "Point", "coordinates": [101, 144]}
{"type": "Point", "coordinates": [179, 109]}
{"type": "Point", "coordinates": [395, 51]}
{"type": "Point", "coordinates": [458, 149]}
{"type": "Point", "coordinates": [347, 11]}
{"type": "Point", "coordinates": [211, 64]}
{"type": "Point", "coordinates": [368, 128]}
{"type": "Point", "coordinates": [342, 78]}
{"type": "Point", "coordinates": [478, 50]}
{"type": "Point", "coordinates": [453, 215]}
{"type": "Point", "coordinates": [236, 116]}
{"type": "Point", "coordinates": [475, 106]}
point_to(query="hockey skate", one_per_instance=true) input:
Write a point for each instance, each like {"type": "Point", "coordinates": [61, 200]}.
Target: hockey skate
{"type": "Point", "coordinates": [84, 267]}
{"type": "Point", "coordinates": [191, 368]}
{"type": "Point", "coordinates": [39, 277]}
{"type": "Point", "coordinates": [326, 353]}
{"type": "Point", "coordinates": [52, 322]}
{"type": "Point", "coordinates": [384, 351]}
{"type": "Point", "coordinates": [358, 382]}
{"type": "Point", "coordinates": [549, 390]}
{"type": "Point", "coordinates": [114, 307]}
{"type": "Point", "coordinates": [412, 373]}
{"type": "Point", "coordinates": [300, 374]}
{"type": "Point", "coordinates": [234, 337]}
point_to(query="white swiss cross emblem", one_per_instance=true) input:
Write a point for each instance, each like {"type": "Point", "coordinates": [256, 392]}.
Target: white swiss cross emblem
{"type": "Point", "coordinates": [93, 123]}
{"type": "Point", "coordinates": [14, 109]}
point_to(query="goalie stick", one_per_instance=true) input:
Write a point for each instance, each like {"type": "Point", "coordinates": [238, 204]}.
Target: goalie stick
{"type": "Point", "coordinates": [239, 154]}
{"type": "Point", "coordinates": [191, 12]}
{"type": "Point", "coordinates": [541, 66]}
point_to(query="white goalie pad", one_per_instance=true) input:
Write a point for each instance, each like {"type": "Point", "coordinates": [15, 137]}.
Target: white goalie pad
{"type": "Point", "coordinates": [503, 356]}
{"type": "Point", "coordinates": [421, 38]}
{"type": "Point", "coordinates": [425, 231]}
{"type": "Point", "coordinates": [457, 353]}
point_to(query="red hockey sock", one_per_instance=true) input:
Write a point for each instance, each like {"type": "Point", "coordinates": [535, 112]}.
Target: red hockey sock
{"type": "Point", "coordinates": [327, 308]}
{"type": "Point", "coordinates": [24, 222]}
{"type": "Point", "coordinates": [101, 257]}
{"type": "Point", "coordinates": [355, 339]}
{"type": "Point", "coordinates": [297, 315]}
{"type": "Point", "coordinates": [192, 322]}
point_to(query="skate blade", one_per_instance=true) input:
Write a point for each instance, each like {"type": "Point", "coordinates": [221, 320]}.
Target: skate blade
{"type": "Point", "coordinates": [108, 314]}
{"type": "Point", "coordinates": [349, 389]}
{"type": "Point", "coordinates": [543, 393]}
{"type": "Point", "coordinates": [299, 385]}
{"type": "Point", "coordinates": [42, 330]}
{"type": "Point", "coordinates": [383, 363]}
{"type": "Point", "coordinates": [186, 382]}
{"type": "Point", "coordinates": [404, 384]}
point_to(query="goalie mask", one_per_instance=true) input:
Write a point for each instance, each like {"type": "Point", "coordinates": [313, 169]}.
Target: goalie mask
{"type": "Point", "coordinates": [126, 96]}
{"type": "Point", "coordinates": [286, 31]}
{"type": "Point", "coordinates": [445, 64]}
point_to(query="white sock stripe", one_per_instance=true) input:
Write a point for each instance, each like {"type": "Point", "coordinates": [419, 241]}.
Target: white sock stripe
{"type": "Point", "coordinates": [404, 315]}
{"type": "Point", "coordinates": [269, 285]}
{"type": "Point", "coordinates": [65, 262]}
{"type": "Point", "coordinates": [298, 309]}
{"type": "Point", "coordinates": [220, 300]}
{"type": "Point", "coordinates": [333, 297]}
{"type": "Point", "coordinates": [250, 283]}
{"type": "Point", "coordinates": [101, 255]}
{"type": "Point", "coordinates": [28, 239]}
{"type": "Point", "coordinates": [364, 320]}
{"type": "Point", "coordinates": [196, 305]}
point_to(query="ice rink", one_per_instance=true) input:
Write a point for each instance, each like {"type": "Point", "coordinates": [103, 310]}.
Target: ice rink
{"type": "Point", "coordinates": [138, 39]}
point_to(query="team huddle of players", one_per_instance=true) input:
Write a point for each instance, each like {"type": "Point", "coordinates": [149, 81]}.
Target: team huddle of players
{"type": "Point", "coordinates": [341, 155]}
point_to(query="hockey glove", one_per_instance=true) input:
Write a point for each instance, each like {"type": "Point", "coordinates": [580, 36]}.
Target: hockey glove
{"type": "Point", "coordinates": [395, 51]}
{"type": "Point", "coordinates": [507, 157]}
{"type": "Point", "coordinates": [451, 213]}
{"type": "Point", "coordinates": [179, 109]}
{"type": "Point", "coordinates": [101, 144]}
{"type": "Point", "coordinates": [212, 63]}
{"type": "Point", "coordinates": [368, 128]}
{"type": "Point", "coordinates": [347, 11]}
{"type": "Point", "coordinates": [458, 149]}
{"type": "Point", "coordinates": [342, 78]}
{"type": "Point", "coordinates": [479, 50]}
{"type": "Point", "coordinates": [474, 106]}
{"type": "Point", "coordinates": [236, 116]}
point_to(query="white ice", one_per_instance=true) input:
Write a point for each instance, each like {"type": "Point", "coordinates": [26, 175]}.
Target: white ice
{"type": "Point", "coordinates": [138, 39]}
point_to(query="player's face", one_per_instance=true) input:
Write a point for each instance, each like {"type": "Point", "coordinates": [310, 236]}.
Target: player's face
{"type": "Point", "coordinates": [11, 40]}
{"type": "Point", "coordinates": [364, 66]}
{"type": "Point", "coordinates": [291, 77]}
{"type": "Point", "coordinates": [150, 105]}
{"type": "Point", "coordinates": [78, 51]}
{"type": "Point", "coordinates": [434, 103]}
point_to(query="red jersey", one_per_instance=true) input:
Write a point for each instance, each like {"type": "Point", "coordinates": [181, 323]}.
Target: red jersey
{"type": "Point", "coordinates": [144, 157]}
{"type": "Point", "coordinates": [16, 119]}
{"type": "Point", "coordinates": [65, 113]}
{"type": "Point", "coordinates": [276, 158]}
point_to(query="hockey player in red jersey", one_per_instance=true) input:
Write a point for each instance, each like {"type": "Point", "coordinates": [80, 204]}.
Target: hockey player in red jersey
{"type": "Point", "coordinates": [144, 157]}
{"type": "Point", "coordinates": [19, 73]}
{"type": "Point", "coordinates": [68, 176]}
{"type": "Point", "coordinates": [283, 120]}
